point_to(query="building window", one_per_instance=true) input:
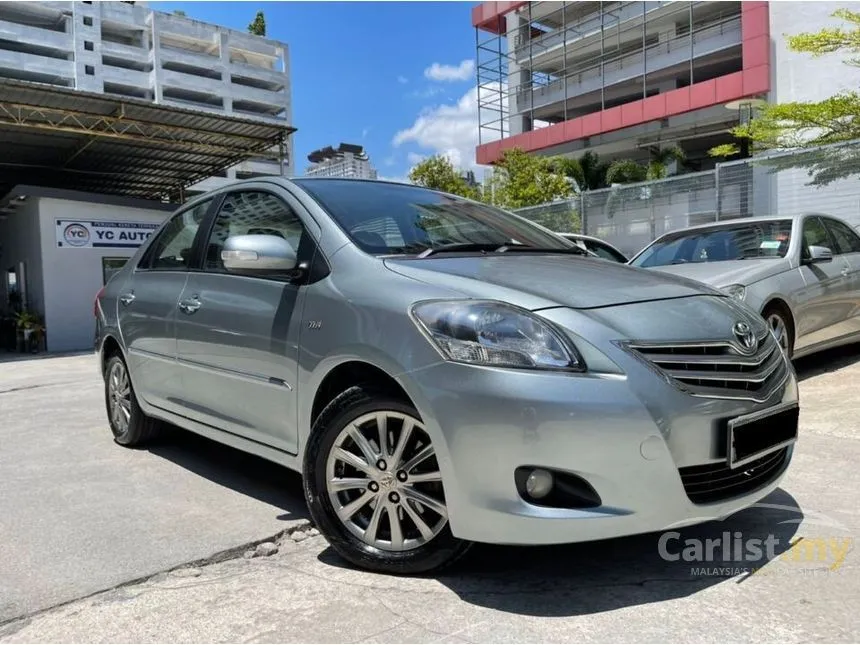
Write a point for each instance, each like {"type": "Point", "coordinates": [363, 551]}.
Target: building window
{"type": "Point", "coordinates": [88, 45]}
{"type": "Point", "coordinates": [88, 21]}
{"type": "Point", "coordinates": [89, 70]}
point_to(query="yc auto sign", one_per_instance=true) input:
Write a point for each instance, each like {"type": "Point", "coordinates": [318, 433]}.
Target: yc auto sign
{"type": "Point", "coordinates": [80, 234]}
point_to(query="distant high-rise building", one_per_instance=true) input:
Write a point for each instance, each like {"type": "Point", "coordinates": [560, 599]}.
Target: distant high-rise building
{"type": "Point", "coordinates": [127, 49]}
{"type": "Point", "coordinates": [347, 160]}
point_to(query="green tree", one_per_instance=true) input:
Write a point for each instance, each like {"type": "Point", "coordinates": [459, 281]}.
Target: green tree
{"type": "Point", "coordinates": [806, 124]}
{"type": "Point", "coordinates": [438, 173]}
{"type": "Point", "coordinates": [588, 171]}
{"type": "Point", "coordinates": [658, 167]}
{"type": "Point", "coordinates": [258, 26]}
{"type": "Point", "coordinates": [520, 179]}
{"type": "Point", "coordinates": [179, 12]}
{"type": "Point", "coordinates": [626, 171]}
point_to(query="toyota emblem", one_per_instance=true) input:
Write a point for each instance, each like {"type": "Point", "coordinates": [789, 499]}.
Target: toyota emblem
{"type": "Point", "coordinates": [744, 333]}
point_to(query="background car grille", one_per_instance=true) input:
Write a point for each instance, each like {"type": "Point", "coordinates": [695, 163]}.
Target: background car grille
{"type": "Point", "coordinates": [720, 369]}
{"type": "Point", "coordinates": [717, 482]}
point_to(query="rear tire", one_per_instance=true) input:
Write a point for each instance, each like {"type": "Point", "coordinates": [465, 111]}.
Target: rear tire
{"type": "Point", "coordinates": [779, 322]}
{"type": "Point", "coordinates": [130, 426]}
{"type": "Point", "coordinates": [402, 527]}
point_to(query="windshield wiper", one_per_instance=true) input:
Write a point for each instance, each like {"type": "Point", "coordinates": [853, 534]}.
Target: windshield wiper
{"type": "Point", "coordinates": [521, 248]}
{"type": "Point", "coordinates": [458, 247]}
{"type": "Point", "coordinates": [467, 247]}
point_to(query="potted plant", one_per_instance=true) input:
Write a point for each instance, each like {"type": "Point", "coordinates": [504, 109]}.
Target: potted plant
{"type": "Point", "coordinates": [32, 328]}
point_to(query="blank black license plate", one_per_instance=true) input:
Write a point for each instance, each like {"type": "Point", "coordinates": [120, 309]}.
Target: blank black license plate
{"type": "Point", "coordinates": [754, 435]}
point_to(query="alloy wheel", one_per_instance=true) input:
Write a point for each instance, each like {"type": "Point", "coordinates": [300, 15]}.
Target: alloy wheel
{"type": "Point", "coordinates": [119, 397]}
{"type": "Point", "coordinates": [780, 331]}
{"type": "Point", "coordinates": [383, 480]}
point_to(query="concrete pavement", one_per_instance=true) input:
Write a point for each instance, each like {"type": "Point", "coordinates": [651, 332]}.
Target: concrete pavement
{"type": "Point", "coordinates": [81, 514]}
{"type": "Point", "coordinates": [618, 590]}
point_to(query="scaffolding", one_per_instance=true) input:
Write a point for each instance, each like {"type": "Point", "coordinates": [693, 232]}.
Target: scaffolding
{"type": "Point", "coordinates": [556, 61]}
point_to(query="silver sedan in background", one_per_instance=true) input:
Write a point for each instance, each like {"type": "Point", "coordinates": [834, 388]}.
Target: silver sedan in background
{"type": "Point", "coordinates": [801, 273]}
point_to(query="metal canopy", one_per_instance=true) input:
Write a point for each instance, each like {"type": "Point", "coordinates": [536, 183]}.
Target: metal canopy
{"type": "Point", "coordinates": [63, 138]}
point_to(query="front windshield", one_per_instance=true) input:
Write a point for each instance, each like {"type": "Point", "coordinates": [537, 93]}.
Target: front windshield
{"type": "Point", "coordinates": [401, 219]}
{"type": "Point", "coordinates": [741, 241]}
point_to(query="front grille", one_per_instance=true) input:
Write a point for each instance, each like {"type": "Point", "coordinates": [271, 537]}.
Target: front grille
{"type": "Point", "coordinates": [719, 369]}
{"type": "Point", "coordinates": [717, 482]}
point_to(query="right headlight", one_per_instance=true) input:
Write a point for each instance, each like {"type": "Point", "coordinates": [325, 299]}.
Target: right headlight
{"type": "Point", "coordinates": [482, 332]}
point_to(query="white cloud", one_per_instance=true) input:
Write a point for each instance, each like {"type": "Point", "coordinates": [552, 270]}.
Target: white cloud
{"type": "Point", "coordinates": [447, 73]}
{"type": "Point", "coordinates": [449, 129]}
{"type": "Point", "coordinates": [402, 80]}
{"type": "Point", "coordinates": [414, 158]}
{"type": "Point", "coordinates": [428, 92]}
{"type": "Point", "coordinates": [365, 132]}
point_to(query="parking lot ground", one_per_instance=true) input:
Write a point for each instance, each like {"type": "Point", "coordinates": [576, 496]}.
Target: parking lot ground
{"type": "Point", "coordinates": [81, 514]}
{"type": "Point", "coordinates": [616, 590]}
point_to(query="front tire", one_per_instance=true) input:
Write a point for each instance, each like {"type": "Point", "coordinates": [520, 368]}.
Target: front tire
{"type": "Point", "coordinates": [130, 426]}
{"type": "Point", "coordinates": [373, 486]}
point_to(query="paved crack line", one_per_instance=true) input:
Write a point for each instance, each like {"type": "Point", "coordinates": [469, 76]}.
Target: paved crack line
{"type": "Point", "coordinates": [8, 627]}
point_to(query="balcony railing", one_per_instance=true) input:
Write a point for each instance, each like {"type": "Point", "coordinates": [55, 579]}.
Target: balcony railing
{"type": "Point", "coordinates": [582, 29]}
{"type": "Point", "coordinates": [679, 49]}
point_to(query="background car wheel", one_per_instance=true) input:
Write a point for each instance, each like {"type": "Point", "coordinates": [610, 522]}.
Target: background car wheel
{"type": "Point", "coordinates": [373, 486]}
{"type": "Point", "coordinates": [779, 322]}
{"type": "Point", "coordinates": [130, 426]}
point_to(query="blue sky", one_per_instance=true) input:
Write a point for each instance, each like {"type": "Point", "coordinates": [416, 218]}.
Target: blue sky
{"type": "Point", "coordinates": [396, 77]}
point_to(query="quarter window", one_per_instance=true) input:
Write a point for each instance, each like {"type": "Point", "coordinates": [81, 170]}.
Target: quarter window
{"type": "Point", "coordinates": [252, 213]}
{"type": "Point", "coordinates": [845, 240]}
{"type": "Point", "coordinates": [175, 245]}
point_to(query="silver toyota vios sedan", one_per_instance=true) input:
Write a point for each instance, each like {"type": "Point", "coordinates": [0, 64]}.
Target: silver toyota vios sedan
{"type": "Point", "coordinates": [443, 372]}
{"type": "Point", "coordinates": [802, 273]}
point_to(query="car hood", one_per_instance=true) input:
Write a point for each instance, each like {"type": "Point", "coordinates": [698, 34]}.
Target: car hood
{"type": "Point", "coordinates": [551, 280]}
{"type": "Point", "coordinates": [722, 274]}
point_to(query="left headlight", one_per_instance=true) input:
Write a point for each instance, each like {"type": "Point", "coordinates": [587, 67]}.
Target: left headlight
{"type": "Point", "coordinates": [736, 291]}
{"type": "Point", "coordinates": [481, 332]}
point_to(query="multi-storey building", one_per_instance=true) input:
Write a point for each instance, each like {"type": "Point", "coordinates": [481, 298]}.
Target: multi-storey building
{"type": "Point", "coordinates": [624, 78]}
{"type": "Point", "coordinates": [127, 49]}
{"type": "Point", "coordinates": [347, 160]}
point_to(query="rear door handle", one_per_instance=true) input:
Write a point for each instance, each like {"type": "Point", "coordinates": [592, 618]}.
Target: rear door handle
{"type": "Point", "coordinates": [127, 298]}
{"type": "Point", "coordinates": [190, 305]}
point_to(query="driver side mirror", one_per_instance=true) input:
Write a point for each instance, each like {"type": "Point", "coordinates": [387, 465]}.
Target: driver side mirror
{"type": "Point", "coordinates": [818, 254]}
{"type": "Point", "coordinates": [258, 254]}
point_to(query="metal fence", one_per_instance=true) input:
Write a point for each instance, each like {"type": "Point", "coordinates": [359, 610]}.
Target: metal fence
{"type": "Point", "coordinates": [824, 180]}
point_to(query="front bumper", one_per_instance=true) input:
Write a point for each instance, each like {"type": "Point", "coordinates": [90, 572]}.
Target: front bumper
{"type": "Point", "coordinates": [626, 435]}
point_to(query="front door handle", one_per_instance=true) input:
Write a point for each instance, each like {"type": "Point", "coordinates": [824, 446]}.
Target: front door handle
{"type": "Point", "coordinates": [845, 271]}
{"type": "Point", "coordinates": [190, 305]}
{"type": "Point", "coordinates": [127, 298]}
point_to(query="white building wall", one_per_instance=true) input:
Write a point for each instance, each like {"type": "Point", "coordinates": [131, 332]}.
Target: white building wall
{"type": "Point", "coordinates": [73, 276]}
{"type": "Point", "coordinates": [797, 76]}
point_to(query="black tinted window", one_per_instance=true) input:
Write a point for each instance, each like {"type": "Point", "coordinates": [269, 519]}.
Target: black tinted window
{"type": "Point", "coordinates": [175, 244]}
{"type": "Point", "coordinates": [251, 213]}
{"type": "Point", "coordinates": [846, 240]}
{"type": "Point", "coordinates": [384, 218]}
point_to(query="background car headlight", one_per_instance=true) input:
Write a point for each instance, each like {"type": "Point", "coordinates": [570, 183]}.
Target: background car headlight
{"type": "Point", "coordinates": [736, 291]}
{"type": "Point", "coordinates": [494, 333]}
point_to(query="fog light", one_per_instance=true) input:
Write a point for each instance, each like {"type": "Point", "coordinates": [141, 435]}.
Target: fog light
{"type": "Point", "coordinates": [539, 483]}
